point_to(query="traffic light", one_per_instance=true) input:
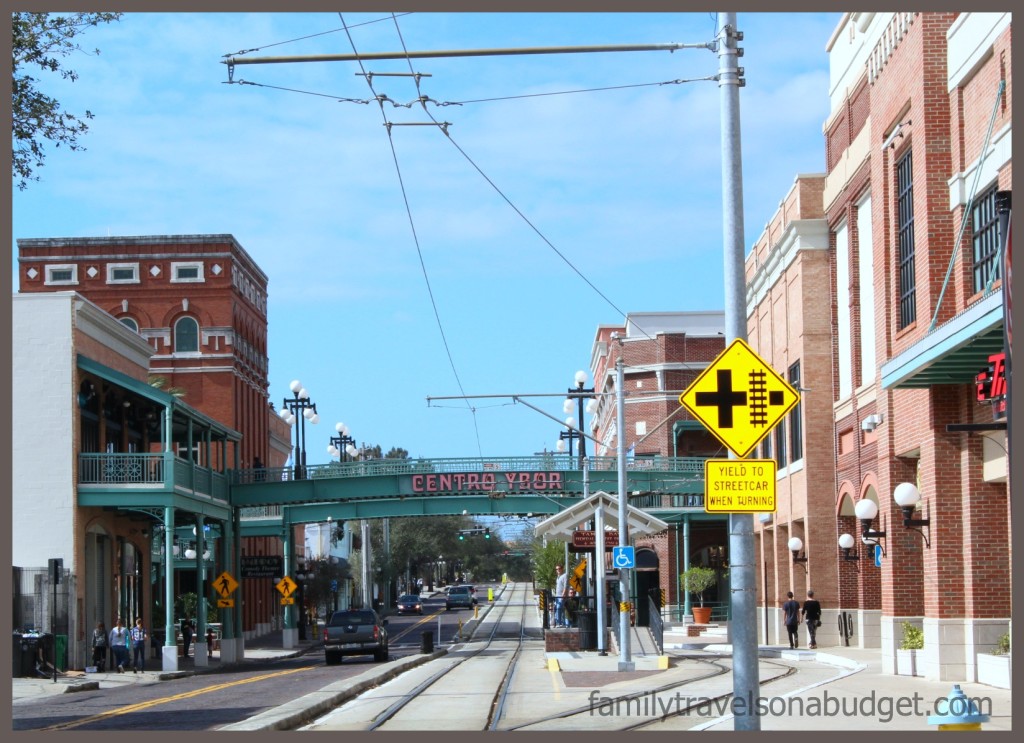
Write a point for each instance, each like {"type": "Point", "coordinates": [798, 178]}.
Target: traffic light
{"type": "Point", "coordinates": [462, 536]}
{"type": "Point", "coordinates": [487, 533]}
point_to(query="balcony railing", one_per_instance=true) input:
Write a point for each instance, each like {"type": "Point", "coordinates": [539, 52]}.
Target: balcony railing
{"type": "Point", "coordinates": [147, 470]}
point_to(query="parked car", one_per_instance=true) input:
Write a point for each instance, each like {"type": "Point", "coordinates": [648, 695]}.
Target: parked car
{"type": "Point", "coordinates": [409, 604]}
{"type": "Point", "coordinates": [459, 596]}
{"type": "Point", "coordinates": [355, 632]}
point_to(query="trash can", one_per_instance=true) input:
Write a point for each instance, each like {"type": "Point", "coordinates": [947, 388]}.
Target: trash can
{"type": "Point", "coordinates": [23, 658]}
{"type": "Point", "coordinates": [427, 642]}
{"type": "Point", "coordinates": [588, 629]}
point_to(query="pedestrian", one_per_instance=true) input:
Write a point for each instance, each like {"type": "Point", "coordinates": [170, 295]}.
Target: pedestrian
{"type": "Point", "coordinates": [812, 615]}
{"type": "Point", "coordinates": [261, 472]}
{"type": "Point", "coordinates": [186, 634]}
{"type": "Point", "coordinates": [572, 604]}
{"type": "Point", "coordinates": [561, 594]}
{"type": "Point", "coordinates": [791, 618]}
{"type": "Point", "coordinates": [99, 646]}
{"type": "Point", "coordinates": [138, 641]}
{"type": "Point", "coordinates": [119, 644]}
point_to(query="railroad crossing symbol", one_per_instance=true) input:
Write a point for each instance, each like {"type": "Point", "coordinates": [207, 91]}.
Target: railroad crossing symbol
{"type": "Point", "coordinates": [739, 398]}
{"type": "Point", "coordinates": [286, 586]}
{"type": "Point", "coordinates": [225, 584]}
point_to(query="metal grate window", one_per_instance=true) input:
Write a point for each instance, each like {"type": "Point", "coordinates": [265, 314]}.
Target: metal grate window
{"type": "Point", "coordinates": [985, 225]}
{"type": "Point", "coordinates": [905, 225]}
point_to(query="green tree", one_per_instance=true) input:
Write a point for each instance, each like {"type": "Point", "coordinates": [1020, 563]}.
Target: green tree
{"type": "Point", "coordinates": [545, 557]}
{"type": "Point", "coordinates": [42, 40]}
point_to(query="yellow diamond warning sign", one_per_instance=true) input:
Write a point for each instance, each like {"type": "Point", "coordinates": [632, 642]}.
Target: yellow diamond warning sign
{"type": "Point", "coordinates": [739, 398]}
{"type": "Point", "coordinates": [739, 485]}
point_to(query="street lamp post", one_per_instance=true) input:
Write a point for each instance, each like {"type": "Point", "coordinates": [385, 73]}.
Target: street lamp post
{"type": "Point", "coordinates": [301, 409]}
{"type": "Point", "coordinates": [579, 393]}
{"type": "Point", "coordinates": [342, 446]}
{"type": "Point", "coordinates": [300, 579]}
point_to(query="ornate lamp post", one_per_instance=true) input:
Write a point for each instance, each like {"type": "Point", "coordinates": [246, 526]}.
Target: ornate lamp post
{"type": "Point", "coordinates": [342, 446]}
{"type": "Point", "coordinates": [579, 393]}
{"type": "Point", "coordinates": [299, 408]}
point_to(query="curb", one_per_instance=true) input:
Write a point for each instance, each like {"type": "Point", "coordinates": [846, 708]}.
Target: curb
{"type": "Point", "coordinates": [299, 711]}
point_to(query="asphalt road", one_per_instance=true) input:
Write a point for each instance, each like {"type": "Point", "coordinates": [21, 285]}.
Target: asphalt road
{"type": "Point", "coordinates": [232, 694]}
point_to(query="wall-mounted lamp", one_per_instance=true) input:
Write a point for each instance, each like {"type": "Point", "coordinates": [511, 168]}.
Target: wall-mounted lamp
{"type": "Point", "coordinates": [846, 542]}
{"type": "Point", "coordinates": [907, 497]}
{"type": "Point", "coordinates": [897, 131]}
{"type": "Point", "coordinates": [870, 423]}
{"type": "Point", "coordinates": [866, 511]}
{"type": "Point", "coordinates": [795, 546]}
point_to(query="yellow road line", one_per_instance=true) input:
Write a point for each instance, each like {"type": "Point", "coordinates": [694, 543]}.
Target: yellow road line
{"type": "Point", "coordinates": [166, 700]}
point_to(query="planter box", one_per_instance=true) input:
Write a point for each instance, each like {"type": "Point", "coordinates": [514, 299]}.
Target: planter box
{"type": "Point", "coordinates": [994, 670]}
{"type": "Point", "coordinates": [906, 663]}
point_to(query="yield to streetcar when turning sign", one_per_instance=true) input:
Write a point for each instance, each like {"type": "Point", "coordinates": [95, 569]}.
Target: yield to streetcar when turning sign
{"type": "Point", "coordinates": [739, 398]}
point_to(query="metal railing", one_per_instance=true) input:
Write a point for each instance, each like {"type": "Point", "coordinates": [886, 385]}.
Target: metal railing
{"type": "Point", "coordinates": [164, 469]}
{"type": "Point", "coordinates": [656, 626]}
{"type": "Point", "coordinates": [544, 463]}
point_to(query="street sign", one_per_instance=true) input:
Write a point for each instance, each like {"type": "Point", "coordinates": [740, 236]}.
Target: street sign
{"type": "Point", "coordinates": [739, 485]}
{"type": "Point", "coordinates": [225, 584]}
{"type": "Point", "coordinates": [739, 398]}
{"type": "Point", "coordinates": [287, 601]}
{"type": "Point", "coordinates": [286, 586]}
{"type": "Point", "coordinates": [878, 555]}
{"type": "Point", "coordinates": [225, 603]}
{"type": "Point", "coordinates": [576, 579]}
{"type": "Point", "coordinates": [587, 539]}
{"type": "Point", "coordinates": [623, 558]}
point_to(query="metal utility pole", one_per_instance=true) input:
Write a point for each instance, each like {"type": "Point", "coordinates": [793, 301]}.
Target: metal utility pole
{"type": "Point", "coordinates": [367, 588]}
{"type": "Point", "coordinates": [741, 525]}
{"type": "Point", "coordinates": [625, 656]}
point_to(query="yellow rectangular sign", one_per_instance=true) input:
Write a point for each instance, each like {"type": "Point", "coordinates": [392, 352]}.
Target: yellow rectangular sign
{"type": "Point", "coordinates": [288, 601]}
{"type": "Point", "coordinates": [739, 485]}
{"type": "Point", "coordinates": [225, 603]}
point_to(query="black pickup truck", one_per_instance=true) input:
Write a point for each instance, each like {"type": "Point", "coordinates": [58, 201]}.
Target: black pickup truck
{"type": "Point", "coordinates": [355, 632]}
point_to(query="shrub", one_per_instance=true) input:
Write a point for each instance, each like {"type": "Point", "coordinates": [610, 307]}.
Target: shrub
{"type": "Point", "coordinates": [698, 579]}
{"type": "Point", "coordinates": [1002, 645]}
{"type": "Point", "coordinates": [913, 637]}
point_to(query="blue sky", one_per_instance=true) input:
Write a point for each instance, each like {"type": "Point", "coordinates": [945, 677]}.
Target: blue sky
{"type": "Point", "coordinates": [624, 183]}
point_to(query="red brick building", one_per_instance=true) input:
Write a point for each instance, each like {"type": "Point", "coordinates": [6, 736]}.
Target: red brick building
{"type": "Point", "coordinates": [907, 298]}
{"type": "Point", "coordinates": [200, 301]}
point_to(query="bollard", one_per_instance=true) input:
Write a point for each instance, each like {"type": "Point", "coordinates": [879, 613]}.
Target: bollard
{"type": "Point", "coordinates": [427, 642]}
{"type": "Point", "coordinates": [476, 611]}
{"type": "Point", "coordinates": [490, 594]}
{"type": "Point", "coordinates": [961, 713]}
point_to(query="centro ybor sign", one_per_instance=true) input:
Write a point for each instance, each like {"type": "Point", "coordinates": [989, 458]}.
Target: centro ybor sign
{"type": "Point", "coordinates": [739, 486]}
{"type": "Point", "coordinates": [486, 482]}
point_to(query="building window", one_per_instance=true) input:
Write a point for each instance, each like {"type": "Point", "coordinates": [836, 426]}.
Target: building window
{"type": "Point", "coordinates": [186, 336]}
{"type": "Point", "coordinates": [130, 323]}
{"type": "Point", "coordinates": [187, 272]}
{"type": "Point", "coordinates": [796, 432]}
{"type": "Point", "coordinates": [985, 225]}
{"type": "Point", "coordinates": [63, 274]}
{"type": "Point", "coordinates": [766, 447]}
{"type": "Point", "coordinates": [122, 273]}
{"type": "Point", "coordinates": [780, 444]}
{"type": "Point", "coordinates": [905, 227]}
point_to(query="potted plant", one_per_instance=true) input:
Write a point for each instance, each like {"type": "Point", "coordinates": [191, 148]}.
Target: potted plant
{"type": "Point", "coordinates": [994, 668]}
{"type": "Point", "coordinates": [906, 654]}
{"type": "Point", "coordinates": [697, 580]}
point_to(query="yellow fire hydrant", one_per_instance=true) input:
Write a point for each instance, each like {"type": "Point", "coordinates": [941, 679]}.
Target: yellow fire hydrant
{"type": "Point", "coordinates": [961, 713]}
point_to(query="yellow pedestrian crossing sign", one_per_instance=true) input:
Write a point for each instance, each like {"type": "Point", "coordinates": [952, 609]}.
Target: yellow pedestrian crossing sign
{"type": "Point", "coordinates": [225, 584]}
{"type": "Point", "coordinates": [739, 398]}
{"type": "Point", "coordinates": [286, 586]}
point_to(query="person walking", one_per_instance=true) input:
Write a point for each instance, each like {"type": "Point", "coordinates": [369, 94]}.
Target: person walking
{"type": "Point", "coordinates": [99, 647]}
{"type": "Point", "coordinates": [186, 634]}
{"type": "Point", "coordinates": [811, 612]}
{"type": "Point", "coordinates": [791, 618]}
{"type": "Point", "coordinates": [119, 644]}
{"type": "Point", "coordinates": [561, 594]}
{"type": "Point", "coordinates": [138, 639]}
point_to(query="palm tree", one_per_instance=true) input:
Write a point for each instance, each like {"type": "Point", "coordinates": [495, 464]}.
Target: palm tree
{"type": "Point", "coordinates": [160, 382]}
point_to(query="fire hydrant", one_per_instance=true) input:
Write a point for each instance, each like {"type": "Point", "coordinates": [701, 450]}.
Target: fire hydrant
{"type": "Point", "coordinates": [961, 713]}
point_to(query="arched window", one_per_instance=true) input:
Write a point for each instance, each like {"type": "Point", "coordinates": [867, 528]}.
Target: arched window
{"type": "Point", "coordinates": [186, 335]}
{"type": "Point", "coordinates": [130, 323]}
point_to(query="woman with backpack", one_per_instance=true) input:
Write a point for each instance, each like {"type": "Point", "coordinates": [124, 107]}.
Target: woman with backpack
{"type": "Point", "coordinates": [99, 646]}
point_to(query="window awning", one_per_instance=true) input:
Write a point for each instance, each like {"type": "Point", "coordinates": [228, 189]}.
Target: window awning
{"type": "Point", "coordinates": [954, 353]}
{"type": "Point", "coordinates": [564, 523]}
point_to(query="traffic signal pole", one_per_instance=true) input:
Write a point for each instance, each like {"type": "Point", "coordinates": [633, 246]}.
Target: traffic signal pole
{"type": "Point", "coordinates": [741, 525]}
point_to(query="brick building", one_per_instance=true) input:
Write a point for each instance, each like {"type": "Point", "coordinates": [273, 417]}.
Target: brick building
{"type": "Point", "coordinates": [663, 352]}
{"type": "Point", "coordinates": [909, 291]}
{"type": "Point", "coordinates": [200, 302]}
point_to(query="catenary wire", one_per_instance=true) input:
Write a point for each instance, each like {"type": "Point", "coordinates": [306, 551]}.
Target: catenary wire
{"type": "Point", "coordinates": [415, 236]}
{"type": "Point", "coordinates": [310, 36]}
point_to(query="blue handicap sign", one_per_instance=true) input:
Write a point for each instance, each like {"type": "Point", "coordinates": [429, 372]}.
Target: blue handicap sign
{"type": "Point", "coordinates": [623, 558]}
{"type": "Point", "coordinates": [878, 555]}
{"type": "Point", "coordinates": [334, 585]}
